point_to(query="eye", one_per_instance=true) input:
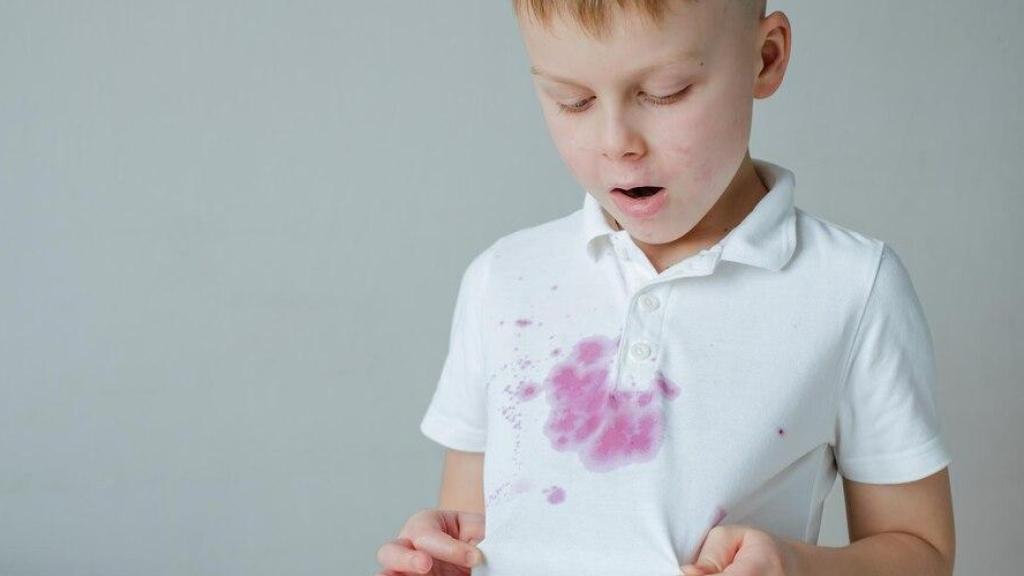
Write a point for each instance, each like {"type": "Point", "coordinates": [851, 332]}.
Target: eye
{"type": "Point", "coordinates": [580, 106]}
{"type": "Point", "coordinates": [575, 107]}
{"type": "Point", "coordinates": [664, 100]}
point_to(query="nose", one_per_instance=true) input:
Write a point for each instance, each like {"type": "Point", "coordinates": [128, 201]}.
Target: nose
{"type": "Point", "coordinates": [621, 139]}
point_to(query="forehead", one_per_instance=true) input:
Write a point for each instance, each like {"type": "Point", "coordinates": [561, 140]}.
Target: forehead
{"type": "Point", "coordinates": [630, 40]}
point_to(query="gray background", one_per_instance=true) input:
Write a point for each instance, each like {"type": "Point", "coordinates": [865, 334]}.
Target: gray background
{"type": "Point", "coordinates": [231, 235]}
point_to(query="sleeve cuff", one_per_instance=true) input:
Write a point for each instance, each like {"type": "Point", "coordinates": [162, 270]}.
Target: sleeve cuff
{"type": "Point", "coordinates": [906, 466]}
{"type": "Point", "coordinates": [453, 434]}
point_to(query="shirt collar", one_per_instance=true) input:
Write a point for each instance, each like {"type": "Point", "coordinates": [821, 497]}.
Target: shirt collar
{"type": "Point", "coordinates": [766, 237]}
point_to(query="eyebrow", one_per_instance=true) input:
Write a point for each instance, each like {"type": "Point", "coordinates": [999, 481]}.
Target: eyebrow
{"type": "Point", "coordinates": [688, 55]}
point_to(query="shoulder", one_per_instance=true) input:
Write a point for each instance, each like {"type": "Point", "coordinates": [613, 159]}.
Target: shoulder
{"type": "Point", "coordinates": [543, 238]}
{"type": "Point", "coordinates": [880, 281]}
{"type": "Point", "coordinates": [534, 248]}
{"type": "Point", "coordinates": [538, 250]}
{"type": "Point", "coordinates": [839, 243]}
{"type": "Point", "coordinates": [839, 252]}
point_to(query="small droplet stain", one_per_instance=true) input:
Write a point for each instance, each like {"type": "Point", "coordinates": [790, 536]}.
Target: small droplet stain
{"type": "Point", "coordinates": [527, 391]}
{"type": "Point", "coordinates": [520, 277]}
{"type": "Point", "coordinates": [782, 432]}
{"type": "Point", "coordinates": [524, 322]}
{"type": "Point", "coordinates": [556, 495]}
{"type": "Point", "coordinates": [554, 286]}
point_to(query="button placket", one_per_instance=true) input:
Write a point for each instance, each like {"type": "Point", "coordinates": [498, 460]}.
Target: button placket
{"type": "Point", "coordinates": [639, 339]}
{"type": "Point", "coordinates": [649, 302]}
{"type": "Point", "coordinates": [640, 351]}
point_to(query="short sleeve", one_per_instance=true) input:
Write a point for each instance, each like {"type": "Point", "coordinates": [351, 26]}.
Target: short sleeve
{"type": "Point", "coordinates": [457, 414]}
{"type": "Point", "coordinates": [887, 429]}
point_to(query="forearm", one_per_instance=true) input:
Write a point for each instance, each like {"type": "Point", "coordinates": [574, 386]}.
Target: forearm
{"type": "Point", "coordinates": [885, 554]}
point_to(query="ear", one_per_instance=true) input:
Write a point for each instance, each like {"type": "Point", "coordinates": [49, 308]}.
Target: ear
{"type": "Point", "coordinates": [774, 40]}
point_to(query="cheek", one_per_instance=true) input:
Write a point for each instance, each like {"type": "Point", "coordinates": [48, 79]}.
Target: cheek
{"type": "Point", "coordinates": [565, 136]}
{"type": "Point", "coordinates": [705, 143]}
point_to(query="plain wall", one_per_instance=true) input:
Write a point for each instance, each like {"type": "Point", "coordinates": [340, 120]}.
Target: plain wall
{"type": "Point", "coordinates": [231, 234]}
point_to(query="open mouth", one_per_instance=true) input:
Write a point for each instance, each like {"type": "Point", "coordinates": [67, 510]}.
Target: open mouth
{"type": "Point", "coordinates": [640, 191]}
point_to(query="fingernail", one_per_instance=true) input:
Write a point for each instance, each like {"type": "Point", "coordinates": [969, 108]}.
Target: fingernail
{"type": "Point", "coordinates": [472, 557]}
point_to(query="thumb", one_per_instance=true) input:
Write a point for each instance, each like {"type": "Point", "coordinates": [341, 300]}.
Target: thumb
{"type": "Point", "coordinates": [443, 547]}
{"type": "Point", "coordinates": [471, 526]}
{"type": "Point", "coordinates": [716, 553]}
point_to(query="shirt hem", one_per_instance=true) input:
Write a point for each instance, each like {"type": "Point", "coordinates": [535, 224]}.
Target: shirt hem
{"type": "Point", "coordinates": [452, 434]}
{"type": "Point", "coordinates": [905, 466]}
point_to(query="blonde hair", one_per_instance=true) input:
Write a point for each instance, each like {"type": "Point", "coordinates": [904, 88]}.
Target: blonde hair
{"type": "Point", "coordinates": [594, 16]}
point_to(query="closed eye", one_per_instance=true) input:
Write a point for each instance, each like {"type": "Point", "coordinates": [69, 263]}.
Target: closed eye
{"type": "Point", "coordinates": [580, 106]}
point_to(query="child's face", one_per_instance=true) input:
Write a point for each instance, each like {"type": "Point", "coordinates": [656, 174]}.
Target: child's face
{"type": "Point", "coordinates": [692, 145]}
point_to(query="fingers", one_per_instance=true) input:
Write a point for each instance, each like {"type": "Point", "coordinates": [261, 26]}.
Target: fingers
{"type": "Point", "coordinates": [444, 547]}
{"type": "Point", "coordinates": [399, 555]}
{"type": "Point", "coordinates": [471, 527]}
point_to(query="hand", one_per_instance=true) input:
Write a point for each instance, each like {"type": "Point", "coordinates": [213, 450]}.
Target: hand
{"type": "Point", "coordinates": [434, 542]}
{"type": "Point", "coordinates": [734, 550]}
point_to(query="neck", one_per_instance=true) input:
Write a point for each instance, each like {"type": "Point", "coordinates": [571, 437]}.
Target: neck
{"type": "Point", "coordinates": [739, 199]}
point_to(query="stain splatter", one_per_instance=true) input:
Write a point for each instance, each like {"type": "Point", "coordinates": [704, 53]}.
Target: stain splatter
{"type": "Point", "coordinates": [555, 494]}
{"type": "Point", "coordinates": [782, 432]}
{"type": "Point", "coordinates": [523, 322]}
{"type": "Point", "coordinates": [607, 428]}
{"type": "Point", "coordinates": [527, 391]}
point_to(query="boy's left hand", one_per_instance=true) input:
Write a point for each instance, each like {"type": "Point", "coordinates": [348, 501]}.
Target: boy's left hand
{"type": "Point", "coordinates": [734, 550]}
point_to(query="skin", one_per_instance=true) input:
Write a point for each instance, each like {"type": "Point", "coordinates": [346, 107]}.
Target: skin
{"type": "Point", "coordinates": [695, 146]}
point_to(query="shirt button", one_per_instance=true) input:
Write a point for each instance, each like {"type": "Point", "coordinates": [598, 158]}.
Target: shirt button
{"type": "Point", "coordinates": [640, 350]}
{"type": "Point", "coordinates": [649, 302]}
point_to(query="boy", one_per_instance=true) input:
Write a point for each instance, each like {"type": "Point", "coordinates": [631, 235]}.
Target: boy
{"type": "Point", "coordinates": [669, 379]}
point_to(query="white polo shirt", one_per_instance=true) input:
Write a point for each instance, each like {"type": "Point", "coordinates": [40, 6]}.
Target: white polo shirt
{"type": "Point", "coordinates": [625, 412]}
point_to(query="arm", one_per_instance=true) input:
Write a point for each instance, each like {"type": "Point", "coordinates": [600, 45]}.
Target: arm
{"type": "Point", "coordinates": [894, 529]}
{"type": "Point", "coordinates": [462, 481]}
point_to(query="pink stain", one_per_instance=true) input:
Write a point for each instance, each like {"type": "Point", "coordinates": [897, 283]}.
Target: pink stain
{"type": "Point", "coordinates": [609, 428]}
{"type": "Point", "coordinates": [527, 391]}
{"type": "Point", "coordinates": [556, 495]}
{"type": "Point", "coordinates": [523, 322]}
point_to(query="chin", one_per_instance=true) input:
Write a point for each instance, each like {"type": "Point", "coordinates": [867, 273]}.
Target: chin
{"type": "Point", "coordinates": [654, 237]}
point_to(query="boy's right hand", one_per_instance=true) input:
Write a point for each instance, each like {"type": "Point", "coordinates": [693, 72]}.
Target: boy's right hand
{"type": "Point", "coordinates": [434, 542]}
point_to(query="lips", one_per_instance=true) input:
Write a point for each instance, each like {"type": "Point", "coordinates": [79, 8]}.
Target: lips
{"type": "Point", "coordinates": [639, 191]}
{"type": "Point", "coordinates": [640, 202]}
